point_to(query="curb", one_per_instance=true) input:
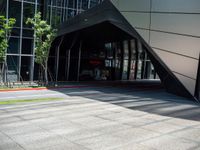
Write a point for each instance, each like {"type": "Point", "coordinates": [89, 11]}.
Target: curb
{"type": "Point", "coordinates": [42, 88]}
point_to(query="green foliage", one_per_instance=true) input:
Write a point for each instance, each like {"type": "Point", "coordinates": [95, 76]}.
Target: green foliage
{"type": "Point", "coordinates": [44, 36]}
{"type": "Point", "coordinates": [7, 102]}
{"type": "Point", "coordinates": [6, 26]}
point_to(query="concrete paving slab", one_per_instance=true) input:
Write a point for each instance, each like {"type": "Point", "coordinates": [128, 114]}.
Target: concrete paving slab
{"type": "Point", "coordinates": [162, 127]}
{"type": "Point", "coordinates": [167, 142]}
{"type": "Point", "coordinates": [10, 146]}
{"type": "Point", "coordinates": [133, 146]}
{"type": "Point", "coordinates": [100, 118]}
{"type": "Point", "coordinates": [192, 134]}
{"type": "Point", "coordinates": [45, 143]}
{"type": "Point", "coordinates": [66, 146]}
{"type": "Point", "coordinates": [102, 142]}
{"type": "Point", "coordinates": [136, 134]}
{"type": "Point", "coordinates": [81, 134]}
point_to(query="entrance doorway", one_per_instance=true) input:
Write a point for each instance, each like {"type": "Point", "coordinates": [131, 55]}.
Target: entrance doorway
{"type": "Point", "coordinates": [110, 61]}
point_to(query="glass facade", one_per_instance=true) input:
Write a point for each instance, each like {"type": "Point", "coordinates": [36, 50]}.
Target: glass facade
{"type": "Point", "coordinates": [122, 60]}
{"type": "Point", "coordinates": [20, 54]}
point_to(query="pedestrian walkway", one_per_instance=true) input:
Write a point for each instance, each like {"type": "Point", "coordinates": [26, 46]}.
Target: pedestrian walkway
{"type": "Point", "coordinates": [100, 118]}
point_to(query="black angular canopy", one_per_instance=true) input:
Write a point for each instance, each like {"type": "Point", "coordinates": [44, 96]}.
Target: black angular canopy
{"type": "Point", "coordinates": [105, 23]}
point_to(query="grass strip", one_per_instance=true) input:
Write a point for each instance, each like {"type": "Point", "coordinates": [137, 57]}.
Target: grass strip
{"type": "Point", "coordinates": [28, 100]}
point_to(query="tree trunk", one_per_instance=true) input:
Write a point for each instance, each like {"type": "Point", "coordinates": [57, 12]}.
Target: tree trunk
{"type": "Point", "coordinates": [5, 73]}
{"type": "Point", "coordinates": [46, 73]}
{"type": "Point", "coordinates": [1, 72]}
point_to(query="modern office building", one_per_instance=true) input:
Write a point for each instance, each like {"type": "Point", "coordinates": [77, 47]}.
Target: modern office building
{"type": "Point", "coordinates": [115, 40]}
{"type": "Point", "coordinates": [136, 39]}
{"type": "Point", "coordinates": [20, 54]}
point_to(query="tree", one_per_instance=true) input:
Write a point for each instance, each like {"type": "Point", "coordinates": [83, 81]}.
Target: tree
{"type": "Point", "coordinates": [6, 26]}
{"type": "Point", "coordinates": [44, 35]}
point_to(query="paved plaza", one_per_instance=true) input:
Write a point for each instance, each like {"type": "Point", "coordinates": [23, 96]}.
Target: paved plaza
{"type": "Point", "coordinates": [99, 118]}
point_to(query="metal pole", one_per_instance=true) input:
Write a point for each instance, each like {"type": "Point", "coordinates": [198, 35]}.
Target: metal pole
{"type": "Point", "coordinates": [20, 47]}
{"type": "Point", "coordinates": [58, 57]}
{"type": "Point", "coordinates": [79, 60]}
{"type": "Point", "coordinates": [68, 64]}
{"type": "Point", "coordinates": [5, 67]}
{"type": "Point", "coordinates": [33, 57]}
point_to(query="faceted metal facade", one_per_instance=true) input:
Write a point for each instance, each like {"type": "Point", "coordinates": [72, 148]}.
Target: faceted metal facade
{"type": "Point", "coordinates": [171, 28]}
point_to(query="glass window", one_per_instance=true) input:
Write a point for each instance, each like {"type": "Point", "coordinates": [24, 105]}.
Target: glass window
{"type": "Point", "coordinates": [36, 72]}
{"type": "Point", "coordinates": [56, 17]}
{"type": "Point", "coordinates": [57, 2]}
{"type": "Point", "coordinates": [133, 60]}
{"type": "Point", "coordinates": [13, 45]}
{"type": "Point", "coordinates": [25, 68]}
{"type": "Point", "coordinates": [33, 1]}
{"type": "Point", "coordinates": [2, 7]}
{"type": "Point", "coordinates": [28, 33]}
{"type": "Point", "coordinates": [125, 61]}
{"type": "Point", "coordinates": [15, 11]}
{"type": "Point", "coordinates": [27, 46]}
{"type": "Point", "coordinates": [28, 12]}
{"type": "Point", "coordinates": [84, 4]}
{"type": "Point", "coordinates": [15, 32]}
{"type": "Point", "coordinates": [71, 13]}
{"type": "Point", "coordinates": [93, 3]}
{"type": "Point", "coordinates": [109, 51]}
{"type": "Point", "coordinates": [72, 4]}
{"type": "Point", "coordinates": [13, 64]}
{"type": "Point", "coordinates": [139, 70]}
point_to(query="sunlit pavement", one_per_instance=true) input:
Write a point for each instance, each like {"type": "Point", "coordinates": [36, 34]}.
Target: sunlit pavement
{"type": "Point", "coordinates": [99, 118]}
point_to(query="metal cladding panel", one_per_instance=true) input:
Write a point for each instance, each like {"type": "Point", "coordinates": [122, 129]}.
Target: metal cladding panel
{"type": "Point", "coordinates": [189, 83]}
{"type": "Point", "coordinates": [144, 34]}
{"type": "Point", "coordinates": [187, 24]}
{"type": "Point", "coordinates": [137, 19]}
{"type": "Point", "coordinates": [182, 67]}
{"type": "Point", "coordinates": [134, 5]}
{"type": "Point", "coordinates": [115, 3]}
{"type": "Point", "coordinates": [184, 45]}
{"type": "Point", "coordinates": [187, 6]}
{"type": "Point", "coordinates": [173, 27]}
{"type": "Point", "coordinates": [177, 63]}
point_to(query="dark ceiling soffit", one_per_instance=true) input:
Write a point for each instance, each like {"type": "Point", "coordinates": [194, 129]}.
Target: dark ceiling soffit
{"type": "Point", "coordinates": [106, 12]}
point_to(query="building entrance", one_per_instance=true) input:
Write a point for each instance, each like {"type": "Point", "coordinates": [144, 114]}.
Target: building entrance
{"type": "Point", "coordinates": [107, 61]}
{"type": "Point", "coordinates": [107, 47]}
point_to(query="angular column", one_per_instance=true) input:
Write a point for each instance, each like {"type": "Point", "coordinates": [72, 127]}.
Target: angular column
{"type": "Point", "coordinates": [58, 57]}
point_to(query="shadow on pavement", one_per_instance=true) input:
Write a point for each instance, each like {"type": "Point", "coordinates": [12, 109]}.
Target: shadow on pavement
{"type": "Point", "coordinates": [146, 96]}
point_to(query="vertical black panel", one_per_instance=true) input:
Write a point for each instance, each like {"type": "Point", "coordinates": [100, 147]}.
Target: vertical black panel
{"type": "Point", "coordinates": [73, 70]}
{"type": "Point", "coordinates": [197, 91]}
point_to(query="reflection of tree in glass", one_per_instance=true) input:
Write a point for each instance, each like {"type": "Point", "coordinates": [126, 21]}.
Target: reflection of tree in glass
{"type": "Point", "coordinates": [29, 11]}
{"type": "Point", "coordinates": [2, 7]}
{"type": "Point", "coordinates": [6, 26]}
